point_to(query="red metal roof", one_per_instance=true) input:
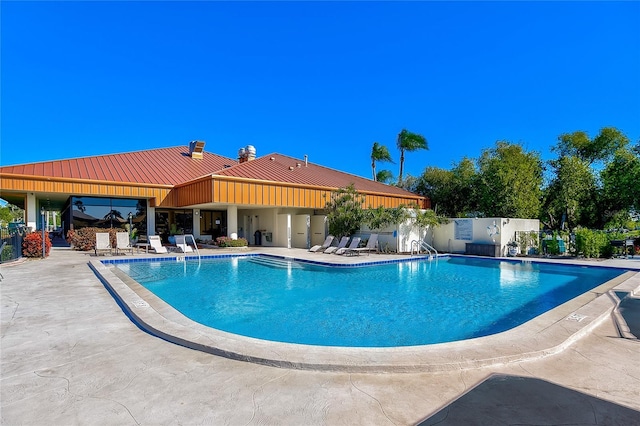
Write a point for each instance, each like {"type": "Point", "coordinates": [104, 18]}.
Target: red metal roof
{"type": "Point", "coordinates": [281, 168]}
{"type": "Point", "coordinates": [163, 166]}
{"type": "Point", "coordinates": [174, 166]}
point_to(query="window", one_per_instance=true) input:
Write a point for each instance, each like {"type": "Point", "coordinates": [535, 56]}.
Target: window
{"type": "Point", "coordinates": [108, 213]}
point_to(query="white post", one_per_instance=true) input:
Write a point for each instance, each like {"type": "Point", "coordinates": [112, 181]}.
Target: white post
{"type": "Point", "coordinates": [196, 223]}
{"type": "Point", "coordinates": [32, 212]}
{"type": "Point", "coordinates": [232, 220]}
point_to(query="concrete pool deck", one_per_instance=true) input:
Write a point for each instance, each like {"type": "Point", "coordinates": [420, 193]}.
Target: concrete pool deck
{"type": "Point", "coordinates": [70, 356]}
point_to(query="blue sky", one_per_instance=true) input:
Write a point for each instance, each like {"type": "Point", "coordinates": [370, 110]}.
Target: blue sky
{"type": "Point", "coordinates": [325, 79]}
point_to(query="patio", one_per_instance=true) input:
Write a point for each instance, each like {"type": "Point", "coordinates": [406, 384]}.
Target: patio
{"type": "Point", "coordinates": [70, 356]}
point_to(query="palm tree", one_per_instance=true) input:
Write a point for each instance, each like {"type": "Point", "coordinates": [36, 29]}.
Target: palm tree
{"type": "Point", "coordinates": [408, 141]}
{"type": "Point", "coordinates": [379, 153]}
{"type": "Point", "coordinates": [384, 176]}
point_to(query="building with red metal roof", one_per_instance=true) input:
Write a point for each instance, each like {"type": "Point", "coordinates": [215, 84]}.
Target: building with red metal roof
{"type": "Point", "coordinates": [189, 190]}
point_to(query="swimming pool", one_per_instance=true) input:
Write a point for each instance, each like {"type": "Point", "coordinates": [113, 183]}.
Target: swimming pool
{"type": "Point", "coordinates": [398, 304]}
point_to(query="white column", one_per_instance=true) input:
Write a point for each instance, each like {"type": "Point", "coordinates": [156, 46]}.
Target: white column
{"type": "Point", "coordinates": [32, 213]}
{"type": "Point", "coordinates": [196, 223]}
{"type": "Point", "coordinates": [232, 220]}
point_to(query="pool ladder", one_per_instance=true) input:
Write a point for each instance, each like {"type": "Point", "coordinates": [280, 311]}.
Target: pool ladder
{"type": "Point", "coordinates": [195, 245]}
{"type": "Point", "coordinates": [421, 245]}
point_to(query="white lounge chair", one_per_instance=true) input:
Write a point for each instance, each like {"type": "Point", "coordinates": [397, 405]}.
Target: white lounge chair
{"type": "Point", "coordinates": [343, 243]}
{"type": "Point", "coordinates": [155, 244]}
{"type": "Point", "coordinates": [181, 244]}
{"type": "Point", "coordinates": [324, 246]}
{"type": "Point", "coordinates": [355, 241]}
{"type": "Point", "coordinates": [123, 242]}
{"type": "Point", "coordinates": [372, 245]}
{"type": "Point", "coordinates": [103, 242]}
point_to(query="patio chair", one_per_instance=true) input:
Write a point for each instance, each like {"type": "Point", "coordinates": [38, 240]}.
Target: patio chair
{"type": "Point", "coordinates": [355, 241]}
{"type": "Point", "coordinates": [103, 242]}
{"type": "Point", "coordinates": [372, 245]}
{"type": "Point", "coordinates": [324, 246]}
{"type": "Point", "coordinates": [155, 244]}
{"type": "Point", "coordinates": [343, 243]}
{"type": "Point", "coordinates": [181, 244]}
{"type": "Point", "coordinates": [123, 242]}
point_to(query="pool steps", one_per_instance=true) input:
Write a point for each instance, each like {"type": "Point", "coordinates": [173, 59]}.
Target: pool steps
{"type": "Point", "coordinates": [275, 262]}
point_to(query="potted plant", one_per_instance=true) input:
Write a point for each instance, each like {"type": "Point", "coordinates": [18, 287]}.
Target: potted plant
{"type": "Point", "coordinates": [512, 247]}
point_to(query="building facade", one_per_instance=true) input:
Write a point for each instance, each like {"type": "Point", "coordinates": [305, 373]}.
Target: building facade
{"type": "Point", "coordinates": [273, 200]}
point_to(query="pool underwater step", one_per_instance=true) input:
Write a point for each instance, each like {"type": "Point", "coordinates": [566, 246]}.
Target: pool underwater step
{"type": "Point", "coordinates": [275, 262]}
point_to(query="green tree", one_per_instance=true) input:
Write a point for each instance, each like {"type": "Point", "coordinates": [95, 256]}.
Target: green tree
{"type": "Point", "coordinates": [621, 182]}
{"type": "Point", "coordinates": [379, 153]}
{"type": "Point", "coordinates": [571, 196]}
{"type": "Point", "coordinates": [384, 176]}
{"type": "Point", "coordinates": [345, 212]}
{"type": "Point", "coordinates": [437, 184]}
{"type": "Point", "coordinates": [509, 181]}
{"type": "Point", "coordinates": [464, 197]}
{"type": "Point", "coordinates": [382, 217]}
{"type": "Point", "coordinates": [452, 192]}
{"type": "Point", "coordinates": [601, 148]}
{"type": "Point", "coordinates": [409, 142]}
{"type": "Point", "coordinates": [10, 213]}
{"type": "Point", "coordinates": [5, 215]}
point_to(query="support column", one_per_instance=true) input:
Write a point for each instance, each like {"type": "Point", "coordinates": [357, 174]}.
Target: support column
{"type": "Point", "coordinates": [32, 214]}
{"type": "Point", "coordinates": [232, 220]}
{"type": "Point", "coordinates": [196, 223]}
{"type": "Point", "coordinates": [151, 219]}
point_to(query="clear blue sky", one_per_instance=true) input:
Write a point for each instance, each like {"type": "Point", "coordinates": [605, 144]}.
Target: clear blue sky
{"type": "Point", "coordinates": [325, 79]}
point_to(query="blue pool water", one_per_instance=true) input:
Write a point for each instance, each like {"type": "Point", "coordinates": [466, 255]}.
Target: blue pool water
{"type": "Point", "coordinates": [399, 304]}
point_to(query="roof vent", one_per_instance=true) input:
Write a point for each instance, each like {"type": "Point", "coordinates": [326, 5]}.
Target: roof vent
{"type": "Point", "coordinates": [272, 158]}
{"type": "Point", "coordinates": [298, 165]}
{"type": "Point", "coordinates": [247, 153]}
{"type": "Point", "coordinates": [290, 167]}
{"type": "Point", "coordinates": [196, 149]}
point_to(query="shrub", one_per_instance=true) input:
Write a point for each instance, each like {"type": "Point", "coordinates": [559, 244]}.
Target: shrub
{"type": "Point", "coordinates": [7, 253]}
{"type": "Point", "coordinates": [84, 239]}
{"type": "Point", "coordinates": [552, 247]}
{"type": "Point", "coordinates": [593, 244]}
{"type": "Point", "coordinates": [32, 244]}
{"type": "Point", "coordinates": [228, 242]}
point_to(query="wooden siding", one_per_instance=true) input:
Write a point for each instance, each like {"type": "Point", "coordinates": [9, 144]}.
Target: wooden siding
{"type": "Point", "coordinates": [82, 187]}
{"type": "Point", "coordinates": [198, 192]}
{"type": "Point", "coordinates": [216, 189]}
{"type": "Point", "coordinates": [226, 190]}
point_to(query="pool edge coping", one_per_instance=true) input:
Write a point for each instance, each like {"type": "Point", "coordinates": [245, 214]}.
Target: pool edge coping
{"type": "Point", "coordinates": [545, 335]}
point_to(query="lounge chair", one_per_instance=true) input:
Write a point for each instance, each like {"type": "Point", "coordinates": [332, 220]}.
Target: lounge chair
{"type": "Point", "coordinates": [181, 244]}
{"type": "Point", "coordinates": [123, 242]}
{"type": "Point", "coordinates": [372, 245]}
{"type": "Point", "coordinates": [355, 241]}
{"type": "Point", "coordinates": [343, 243]}
{"type": "Point", "coordinates": [155, 244]}
{"type": "Point", "coordinates": [324, 246]}
{"type": "Point", "coordinates": [103, 242]}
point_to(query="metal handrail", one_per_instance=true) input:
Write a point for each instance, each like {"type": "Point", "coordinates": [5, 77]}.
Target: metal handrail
{"type": "Point", "coordinates": [425, 246]}
{"type": "Point", "coordinates": [195, 245]}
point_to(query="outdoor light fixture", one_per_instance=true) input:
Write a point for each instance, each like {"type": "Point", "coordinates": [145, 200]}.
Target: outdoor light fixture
{"type": "Point", "coordinates": [43, 243]}
{"type": "Point", "coordinates": [130, 224]}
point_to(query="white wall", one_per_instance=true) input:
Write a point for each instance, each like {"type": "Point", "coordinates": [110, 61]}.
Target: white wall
{"type": "Point", "coordinates": [453, 236]}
